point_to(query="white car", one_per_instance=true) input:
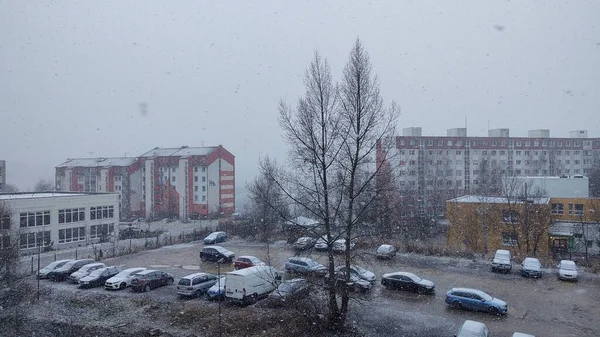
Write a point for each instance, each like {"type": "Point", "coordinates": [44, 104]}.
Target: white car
{"type": "Point", "coordinates": [360, 272]}
{"type": "Point", "coordinates": [567, 270]}
{"type": "Point", "coordinates": [385, 252]}
{"type": "Point", "coordinates": [84, 271]}
{"type": "Point", "coordinates": [321, 243]}
{"type": "Point", "coordinates": [123, 279]}
{"type": "Point", "coordinates": [339, 245]}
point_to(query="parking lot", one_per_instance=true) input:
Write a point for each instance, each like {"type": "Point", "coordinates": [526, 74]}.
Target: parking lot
{"type": "Point", "coordinates": [542, 307]}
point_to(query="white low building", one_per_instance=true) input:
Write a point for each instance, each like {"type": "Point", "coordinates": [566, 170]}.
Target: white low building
{"type": "Point", "coordinates": [61, 220]}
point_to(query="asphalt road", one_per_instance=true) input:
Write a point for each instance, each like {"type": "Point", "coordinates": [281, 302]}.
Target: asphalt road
{"type": "Point", "coordinates": [542, 307]}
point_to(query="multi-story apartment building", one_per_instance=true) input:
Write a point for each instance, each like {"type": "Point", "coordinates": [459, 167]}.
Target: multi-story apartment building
{"type": "Point", "coordinates": [184, 182]}
{"type": "Point", "coordinates": [436, 168]}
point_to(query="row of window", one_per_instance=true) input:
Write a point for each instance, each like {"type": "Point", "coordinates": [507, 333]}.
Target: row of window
{"type": "Point", "coordinates": [97, 231]}
{"type": "Point", "coordinates": [574, 209]}
{"type": "Point", "coordinates": [102, 212]}
{"type": "Point", "coordinates": [526, 143]}
{"type": "Point", "coordinates": [31, 240]}
{"type": "Point", "coordinates": [71, 234]}
{"type": "Point", "coordinates": [71, 215]}
{"type": "Point", "coordinates": [34, 219]}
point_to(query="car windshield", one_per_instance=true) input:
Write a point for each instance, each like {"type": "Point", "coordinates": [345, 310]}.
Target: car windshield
{"type": "Point", "coordinates": [125, 273]}
{"type": "Point", "coordinates": [53, 265]}
{"type": "Point", "coordinates": [485, 296]}
{"type": "Point", "coordinates": [185, 282]}
{"type": "Point", "coordinates": [568, 267]}
{"type": "Point", "coordinates": [359, 270]}
{"type": "Point", "coordinates": [531, 263]}
{"type": "Point", "coordinates": [290, 286]}
{"type": "Point", "coordinates": [97, 272]}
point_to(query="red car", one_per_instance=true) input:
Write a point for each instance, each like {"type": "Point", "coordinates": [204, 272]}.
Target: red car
{"type": "Point", "coordinates": [246, 261]}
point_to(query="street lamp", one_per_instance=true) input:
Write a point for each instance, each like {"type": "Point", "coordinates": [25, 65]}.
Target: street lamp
{"type": "Point", "coordinates": [221, 260]}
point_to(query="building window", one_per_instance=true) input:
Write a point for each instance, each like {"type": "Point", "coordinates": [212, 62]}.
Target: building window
{"type": "Point", "coordinates": [102, 212]}
{"type": "Point", "coordinates": [71, 215]}
{"type": "Point", "coordinates": [203, 198]}
{"type": "Point", "coordinates": [195, 198]}
{"type": "Point", "coordinates": [173, 178]}
{"type": "Point", "coordinates": [203, 188]}
{"type": "Point", "coordinates": [510, 239]}
{"type": "Point", "coordinates": [31, 240]}
{"type": "Point", "coordinates": [575, 209]}
{"type": "Point", "coordinates": [5, 223]}
{"type": "Point", "coordinates": [203, 169]}
{"type": "Point", "coordinates": [195, 178]}
{"type": "Point", "coordinates": [33, 219]}
{"type": "Point", "coordinates": [103, 230]}
{"type": "Point", "coordinates": [196, 188]}
{"type": "Point", "coordinates": [411, 152]}
{"type": "Point", "coordinates": [71, 234]}
{"type": "Point", "coordinates": [196, 169]}
{"type": "Point", "coordinates": [203, 179]}
{"type": "Point", "coordinates": [558, 208]}
{"type": "Point", "coordinates": [509, 216]}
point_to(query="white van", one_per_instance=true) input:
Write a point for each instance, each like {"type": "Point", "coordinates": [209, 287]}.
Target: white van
{"type": "Point", "coordinates": [249, 284]}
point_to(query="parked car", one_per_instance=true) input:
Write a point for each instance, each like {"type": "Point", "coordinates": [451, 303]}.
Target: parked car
{"type": "Point", "coordinates": [98, 277]}
{"type": "Point", "coordinates": [304, 243]}
{"type": "Point", "coordinates": [61, 273]}
{"type": "Point", "coordinates": [531, 267]}
{"type": "Point", "coordinates": [85, 270]}
{"type": "Point", "coordinates": [355, 284]}
{"type": "Point", "coordinates": [194, 285]}
{"type": "Point", "coordinates": [304, 265]}
{"type": "Point", "coordinates": [520, 334]}
{"type": "Point", "coordinates": [567, 270]}
{"type": "Point", "coordinates": [321, 243]}
{"type": "Point", "coordinates": [288, 291]}
{"type": "Point", "coordinates": [358, 271]}
{"type": "Point", "coordinates": [216, 254]}
{"type": "Point", "coordinates": [502, 261]}
{"type": "Point", "coordinates": [217, 291]}
{"type": "Point", "coordinates": [43, 273]}
{"type": "Point", "coordinates": [149, 279]}
{"type": "Point", "coordinates": [407, 281]}
{"type": "Point", "coordinates": [248, 285]}
{"type": "Point", "coordinates": [339, 245]}
{"type": "Point", "coordinates": [246, 261]}
{"type": "Point", "coordinates": [123, 279]}
{"type": "Point", "coordinates": [477, 300]}
{"type": "Point", "coordinates": [385, 252]}
{"type": "Point", "coordinates": [473, 329]}
{"type": "Point", "coordinates": [215, 237]}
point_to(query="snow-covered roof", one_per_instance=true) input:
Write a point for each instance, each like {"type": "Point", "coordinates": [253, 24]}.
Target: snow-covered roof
{"type": "Point", "coordinates": [98, 162]}
{"type": "Point", "coordinates": [303, 222]}
{"type": "Point", "coordinates": [183, 151]}
{"type": "Point", "coordinates": [11, 196]}
{"type": "Point", "coordinates": [480, 199]}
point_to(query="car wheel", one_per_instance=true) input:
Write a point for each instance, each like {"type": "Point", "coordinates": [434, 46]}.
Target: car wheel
{"type": "Point", "coordinates": [170, 281]}
{"type": "Point", "coordinates": [494, 311]}
{"type": "Point", "coordinates": [146, 288]}
{"type": "Point", "coordinates": [122, 286]}
{"type": "Point", "coordinates": [420, 291]}
{"type": "Point", "coordinates": [203, 258]}
{"type": "Point", "coordinates": [456, 305]}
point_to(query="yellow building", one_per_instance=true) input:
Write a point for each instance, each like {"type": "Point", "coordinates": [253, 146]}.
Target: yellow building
{"type": "Point", "coordinates": [485, 224]}
{"type": "Point", "coordinates": [536, 227]}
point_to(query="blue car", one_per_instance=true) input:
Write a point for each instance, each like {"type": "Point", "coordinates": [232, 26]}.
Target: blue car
{"type": "Point", "coordinates": [476, 300]}
{"type": "Point", "coordinates": [217, 291]}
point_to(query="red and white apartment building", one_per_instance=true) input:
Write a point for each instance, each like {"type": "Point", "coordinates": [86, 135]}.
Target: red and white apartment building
{"type": "Point", "coordinates": [185, 182]}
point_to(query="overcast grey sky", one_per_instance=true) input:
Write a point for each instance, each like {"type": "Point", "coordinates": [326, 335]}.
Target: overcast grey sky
{"type": "Point", "coordinates": [73, 75]}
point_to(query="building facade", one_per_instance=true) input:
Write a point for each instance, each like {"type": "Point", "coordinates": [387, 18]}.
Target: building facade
{"type": "Point", "coordinates": [453, 165]}
{"type": "Point", "coordinates": [59, 220]}
{"type": "Point", "coordinates": [185, 182]}
{"type": "Point", "coordinates": [2, 174]}
{"type": "Point", "coordinates": [543, 226]}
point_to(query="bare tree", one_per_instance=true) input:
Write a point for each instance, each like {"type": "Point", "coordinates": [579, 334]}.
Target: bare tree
{"type": "Point", "coordinates": [44, 186]}
{"type": "Point", "coordinates": [268, 203]}
{"type": "Point", "coordinates": [314, 133]}
{"type": "Point", "coordinates": [366, 121]}
{"type": "Point", "coordinates": [9, 188]}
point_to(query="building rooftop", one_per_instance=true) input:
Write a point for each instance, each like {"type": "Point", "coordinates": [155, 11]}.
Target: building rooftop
{"type": "Point", "coordinates": [32, 195]}
{"type": "Point", "coordinates": [480, 199]}
{"type": "Point", "coordinates": [183, 151]}
{"type": "Point", "coordinates": [98, 162]}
